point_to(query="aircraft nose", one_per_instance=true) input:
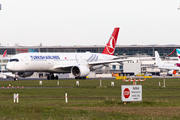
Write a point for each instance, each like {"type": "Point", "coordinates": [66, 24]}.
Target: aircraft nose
{"type": "Point", "coordinates": [9, 67]}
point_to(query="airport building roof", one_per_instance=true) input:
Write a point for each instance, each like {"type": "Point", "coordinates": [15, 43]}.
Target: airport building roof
{"type": "Point", "coordinates": [120, 49]}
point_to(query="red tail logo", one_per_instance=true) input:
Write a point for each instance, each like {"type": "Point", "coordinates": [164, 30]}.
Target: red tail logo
{"type": "Point", "coordinates": [4, 54]}
{"type": "Point", "coordinates": [110, 46]}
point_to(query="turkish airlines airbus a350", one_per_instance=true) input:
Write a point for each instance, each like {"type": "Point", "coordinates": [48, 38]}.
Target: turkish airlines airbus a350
{"type": "Point", "coordinates": [79, 64]}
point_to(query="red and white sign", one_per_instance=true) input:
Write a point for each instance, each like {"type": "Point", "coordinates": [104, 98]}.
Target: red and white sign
{"type": "Point", "coordinates": [131, 93]}
{"type": "Point", "coordinates": [126, 93]}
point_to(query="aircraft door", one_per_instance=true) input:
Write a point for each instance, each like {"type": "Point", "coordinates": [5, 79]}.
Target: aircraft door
{"type": "Point", "coordinates": [26, 60]}
{"type": "Point", "coordinates": [79, 59]}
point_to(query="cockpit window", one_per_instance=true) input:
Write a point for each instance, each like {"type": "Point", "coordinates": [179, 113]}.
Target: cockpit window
{"type": "Point", "coordinates": [13, 60]}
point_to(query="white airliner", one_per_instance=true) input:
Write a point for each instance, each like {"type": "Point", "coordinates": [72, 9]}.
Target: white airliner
{"type": "Point", "coordinates": [79, 64]}
{"type": "Point", "coordinates": [171, 68]}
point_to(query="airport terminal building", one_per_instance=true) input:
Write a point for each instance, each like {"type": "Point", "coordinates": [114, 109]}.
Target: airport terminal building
{"type": "Point", "coordinates": [123, 51]}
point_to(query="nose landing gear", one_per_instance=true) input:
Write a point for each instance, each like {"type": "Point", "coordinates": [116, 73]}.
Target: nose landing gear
{"type": "Point", "coordinates": [15, 79]}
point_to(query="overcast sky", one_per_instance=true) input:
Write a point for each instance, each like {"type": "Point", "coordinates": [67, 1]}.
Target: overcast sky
{"type": "Point", "coordinates": [89, 22]}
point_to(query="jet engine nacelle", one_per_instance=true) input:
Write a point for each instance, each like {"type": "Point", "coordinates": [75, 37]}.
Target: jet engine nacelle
{"type": "Point", "coordinates": [172, 72]}
{"type": "Point", "coordinates": [80, 71]}
{"type": "Point", "coordinates": [25, 74]}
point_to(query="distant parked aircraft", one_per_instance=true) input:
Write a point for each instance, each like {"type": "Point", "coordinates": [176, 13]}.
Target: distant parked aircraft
{"type": "Point", "coordinates": [171, 68]}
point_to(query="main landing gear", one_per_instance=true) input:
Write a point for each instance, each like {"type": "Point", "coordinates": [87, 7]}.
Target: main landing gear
{"type": "Point", "coordinates": [80, 77]}
{"type": "Point", "coordinates": [52, 77]}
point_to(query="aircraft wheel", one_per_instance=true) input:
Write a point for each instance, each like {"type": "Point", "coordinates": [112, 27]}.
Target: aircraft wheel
{"type": "Point", "coordinates": [48, 77]}
{"type": "Point", "coordinates": [52, 77]}
{"type": "Point", "coordinates": [15, 79]}
{"type": "Point", "coordinates": [56, 77]}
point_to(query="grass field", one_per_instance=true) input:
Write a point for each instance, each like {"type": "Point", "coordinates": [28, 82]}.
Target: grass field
{"type": "Point", "coordinates": [89, 101]}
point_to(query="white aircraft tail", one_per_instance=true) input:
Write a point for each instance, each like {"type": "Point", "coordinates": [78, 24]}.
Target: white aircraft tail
{"type": "Point", "coordinates": [178, 53]}
{"type": "Point", "coordinates": [157, 58]}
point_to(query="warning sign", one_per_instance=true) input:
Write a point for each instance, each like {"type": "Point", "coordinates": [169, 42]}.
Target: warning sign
{"type": "Point", "coordinates": [131, 93]}
{"type": "Point", "coordinates": [126, 93]}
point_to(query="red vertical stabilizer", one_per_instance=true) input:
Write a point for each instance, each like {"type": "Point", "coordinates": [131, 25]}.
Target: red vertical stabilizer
{"type": "Point", "coordinates": [110, 46]}
{"type": "Point", "coordinates": [4, 54]}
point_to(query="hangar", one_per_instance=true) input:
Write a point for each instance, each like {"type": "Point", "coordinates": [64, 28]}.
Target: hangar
{"type": "Point", "coordinates": [123, 51]}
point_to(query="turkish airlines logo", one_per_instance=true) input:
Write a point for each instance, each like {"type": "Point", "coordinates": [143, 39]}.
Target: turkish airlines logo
{"type": "Point", "coordinates": [111, 45]}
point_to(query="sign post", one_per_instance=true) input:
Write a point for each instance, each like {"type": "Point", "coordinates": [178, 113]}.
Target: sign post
{"type": "Point", "coordinates": [66, 99]}
{"type": "Point", "coordinates": [164, 83]}
{"type": "Point", "coordinates": [112, 83]}
{"type": "Point", "coordinates": [40, 82]}
{"type": "Point", "coordinates": [16, 97]}
{"type": "Point", "coordinates": [57, 82]}
{"type": "Point", "coordinates": [131, 93]}
{"type": "Point", "coordinates": [77, 83]}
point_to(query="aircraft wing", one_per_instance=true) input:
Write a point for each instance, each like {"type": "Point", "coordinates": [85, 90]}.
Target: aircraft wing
{"type": "Point", "coordinates": [64, 66]}
{"type": "Point", "coordinates": [59, 66]}
{"type": "Point", "coordinates": [117, 61]}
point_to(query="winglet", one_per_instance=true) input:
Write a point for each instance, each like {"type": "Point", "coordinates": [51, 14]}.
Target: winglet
{"type": "Point", "coordinates": [110, 46]}
{"type": "Point", "coordinates": [4, 55]}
